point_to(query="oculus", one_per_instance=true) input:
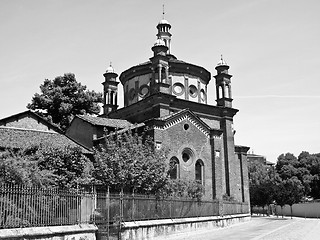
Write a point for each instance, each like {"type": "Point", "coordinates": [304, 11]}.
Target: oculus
{"type": "Point", "coordinates": [178, 89]}
{"type": "Point", "coordinates": [193, 91]}
{"type": "Point", "coordinates": [144, 90]}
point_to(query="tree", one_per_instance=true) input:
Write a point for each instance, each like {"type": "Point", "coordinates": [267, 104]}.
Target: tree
{"type": "Point", "coordinates": [260, 184]}
{"type": "Point", "coordinates": [130, 162]}
{"type": "Point", "coordinates": [17, 168]}
{"type": "Point", "coordinates": [69, 166]}
{"type": "Point", "coordinates": [288, 166]}
{"type": "Point", "coordinates": [183, 188]}
{"type": "Point", "coordinates": [62, 98]}
{"type": "Point", "coordinates": [312, 163]}
{"type": "Point", "coordinates": [45, 166]}
{"type": "Point", "coordinates": [288, 191]}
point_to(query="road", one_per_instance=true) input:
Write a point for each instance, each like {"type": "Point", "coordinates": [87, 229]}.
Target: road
{"type": "Point", "coordinates": [262, 228]}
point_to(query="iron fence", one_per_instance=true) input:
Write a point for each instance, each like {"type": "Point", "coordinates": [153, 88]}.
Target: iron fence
{"type": "Point", "coordinates": [133, 207]}
{"type": "Point", "coordinates": [22, 206]}
{"type": "Point", "coordinates": [28, 207]}
{"type": "Point", "coordinates": [230, 208]}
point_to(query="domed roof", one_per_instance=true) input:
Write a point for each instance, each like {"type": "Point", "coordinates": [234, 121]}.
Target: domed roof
{"type": "Point", "coordinates": [222, 62]}
{"type": "Point", "coordinates": [163, 21]}
{"type": "Point", "coordinates": [159, 42]}
{"type": "Point", "coordinates": [110, 69]}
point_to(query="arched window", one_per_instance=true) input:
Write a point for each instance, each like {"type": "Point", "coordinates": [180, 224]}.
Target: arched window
{"type": "Point", "coordinates": [111, 97]}
{"type": "Point", "coordinates": [174, 168]}
{"type": "Point", "coordinates": [199, 173]}
{"type": "Point", "coordinates": [226, 92]}
{"type": "Point", "coordinates": [220, 92]}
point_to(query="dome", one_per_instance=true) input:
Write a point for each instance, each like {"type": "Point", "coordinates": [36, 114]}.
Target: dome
{"type": "Point", "coordinates": [110, 69]}
{"type": "Point", "coordinates": [222, 62]}
{"type": "Point", "coordinates": [163, 21]}
{"type": "Point", "coordinates": [159, 42]}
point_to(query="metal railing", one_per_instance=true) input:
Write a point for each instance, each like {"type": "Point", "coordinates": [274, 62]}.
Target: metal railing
{"type": "Point", "coordinates": [133, 207]}
{"type": "Point", "coordinates": [28, 207]}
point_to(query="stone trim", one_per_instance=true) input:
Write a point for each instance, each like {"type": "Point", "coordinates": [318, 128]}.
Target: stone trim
{"type": "Point", "coordinates": [45, 232]}
{"type": "Point", "coordinates": [188, 117]}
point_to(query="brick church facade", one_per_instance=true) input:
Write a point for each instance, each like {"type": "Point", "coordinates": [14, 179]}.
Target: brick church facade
{"type": "Point", "coordinates": [169, 96]}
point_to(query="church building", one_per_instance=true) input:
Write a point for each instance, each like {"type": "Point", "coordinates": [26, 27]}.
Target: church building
{"type": "Point", "coordinates": [169, 96]}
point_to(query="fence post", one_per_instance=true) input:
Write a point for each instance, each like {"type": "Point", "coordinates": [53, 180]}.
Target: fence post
{"type": "Point", "coordinates": [221, 209]}
{"type": "Point", "coordinates": [121, 213]}
{"type": "Point", "coordinates": [108, 211]}
{"type": "Point", "coordinates": [133, 207]}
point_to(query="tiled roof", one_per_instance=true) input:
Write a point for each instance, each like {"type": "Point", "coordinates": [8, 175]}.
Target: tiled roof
{"type": "Point", "coordinates": [21, 138]}
{"type": "Point", "coordinates": [132, 127]}
{"type": "Point", "coordinates": [186, 110]}
{"type": "Point", "coordinates": [106, 122]}
{"type": "Point", "coordinates": [33, 114]}
{"type": "Point", "coordinates": [163, 118]}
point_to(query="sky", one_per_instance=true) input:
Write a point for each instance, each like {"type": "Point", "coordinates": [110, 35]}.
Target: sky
{"type": "Point", "coordinates": [271, 46]}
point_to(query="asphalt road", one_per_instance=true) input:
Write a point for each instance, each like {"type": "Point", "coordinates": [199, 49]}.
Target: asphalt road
{"type": "Point", "coordinates": [264, 228]}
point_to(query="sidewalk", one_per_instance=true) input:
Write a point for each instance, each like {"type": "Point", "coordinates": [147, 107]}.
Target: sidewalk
{"type": "Point", "coordinates": [264, 228]}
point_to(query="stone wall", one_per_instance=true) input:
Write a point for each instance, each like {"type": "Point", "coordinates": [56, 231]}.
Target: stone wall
{"type": "Point", "coordinates": [159, 229]}
{"type": "Point", "coordinates": [309, 210]}
{"type": "Point", "coordinates": [72, 232]}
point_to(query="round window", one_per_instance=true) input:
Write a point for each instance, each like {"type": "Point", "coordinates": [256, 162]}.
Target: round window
{"type": "Point", "coordinates": [187, 156]}
{"type": "Point", "coordinates": [193, 91]}
{"type": "Point", "coordinates": [144, 90]}
{"type": "Point", "coordinates": [178, 89]}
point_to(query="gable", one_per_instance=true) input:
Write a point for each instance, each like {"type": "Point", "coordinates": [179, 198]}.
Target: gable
{"type": "Point", "coordinates": [176, 118]}
{"type": "Point", "coordinates": [17, 138]}
{"type": "Point", "coordinates": [28, 120]}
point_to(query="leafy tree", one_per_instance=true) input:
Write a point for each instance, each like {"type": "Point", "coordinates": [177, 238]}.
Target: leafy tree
{"type": "Point", "coordinates": [130, 162]}
{"type": "Point", "coordinates": [288, 191]}
{"type": "Point", "coordinates": [183, 188]}
{"type": "Point", "coordinates": [17, 168]}
{"type": "Point", "coordinates": [312, 163]}
{"type": "Point", "coordinates": [45, 166]}
{"type": "Point", "coordinates": [69, 166]}
{"type": "Point", "coordinates": [260, 184]}
{"type": "Point", "coordinates": [64, 97]}
{"type": "Point", "coordinates": [288, 166]}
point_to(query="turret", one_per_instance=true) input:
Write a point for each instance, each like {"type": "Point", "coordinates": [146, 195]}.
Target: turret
{"type": "Point", "coordinates": [223, 84]}
{"type": "Point", "coordinates": [163, 32]}
{"type": "Point", "coordinates": [110, 91]}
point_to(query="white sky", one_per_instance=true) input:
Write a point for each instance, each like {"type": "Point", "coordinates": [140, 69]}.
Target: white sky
{"type": "Point", "coordinates": [272, 47]}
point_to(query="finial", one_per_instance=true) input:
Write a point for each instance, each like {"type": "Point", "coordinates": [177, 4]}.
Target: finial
{"type": "Point", "coordinates": [163, 11]}
{"type": "Point", "coordinates": [222, 62]}
{"type": "Point", "coordinates": [110, 69]}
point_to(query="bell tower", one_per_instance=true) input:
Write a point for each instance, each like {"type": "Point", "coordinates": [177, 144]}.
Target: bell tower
{"type": "Point", "coordinates": [223, 84]}
{"type": "Point", "coordinates": [110, 91]}
{"type": "Point", "coordinates": [163, 32]}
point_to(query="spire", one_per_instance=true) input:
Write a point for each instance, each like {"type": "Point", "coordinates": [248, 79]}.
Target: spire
{"type": "Point", "coordinates": [222, 62]}
{"type": "Point", "coordinates": [110, 69]}
{"type": "Point", "coordinates": [163, 30]}
{"type": "Point", "coordinates": [163, 11]}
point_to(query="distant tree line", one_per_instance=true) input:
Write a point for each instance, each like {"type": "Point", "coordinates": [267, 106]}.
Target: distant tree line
{"type": "Point", "coordinates": [291, 181]}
